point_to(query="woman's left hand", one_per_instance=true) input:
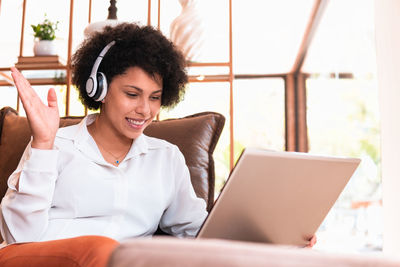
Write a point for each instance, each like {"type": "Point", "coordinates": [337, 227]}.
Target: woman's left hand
{"type": "Point", "coordinates": [312, 241]}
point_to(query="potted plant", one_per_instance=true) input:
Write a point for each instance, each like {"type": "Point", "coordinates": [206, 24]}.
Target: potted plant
{"type": "Point", "coordinates": [45, 33]}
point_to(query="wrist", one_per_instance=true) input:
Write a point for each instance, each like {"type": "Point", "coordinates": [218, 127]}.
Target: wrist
{"type": "Point", "coordinates": [42, 144]}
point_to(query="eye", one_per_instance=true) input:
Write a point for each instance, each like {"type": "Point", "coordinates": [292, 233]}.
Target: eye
{"type": "Point", "coordinates": [156, 97]}
{"type": "Point", "coordinates": [131, 94]}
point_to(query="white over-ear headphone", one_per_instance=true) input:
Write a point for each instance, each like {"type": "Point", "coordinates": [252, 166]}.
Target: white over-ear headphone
{"type": "Point", "coordinates": [96, 85]}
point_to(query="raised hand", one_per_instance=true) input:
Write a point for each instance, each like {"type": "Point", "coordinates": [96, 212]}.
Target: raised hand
{"type": "Point", "coordinates": [43, 120]}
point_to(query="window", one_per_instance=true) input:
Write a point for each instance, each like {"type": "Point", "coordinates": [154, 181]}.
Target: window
{"type": "Point", "coordinates": [259, 113]}
{"type": "Point", "coordinates": [343, 119]}
{"type": "Point", "coordinates": [341, 92]}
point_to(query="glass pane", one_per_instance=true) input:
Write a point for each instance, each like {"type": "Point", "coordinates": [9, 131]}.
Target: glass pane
{"type": "Point", "coordinates": [201, 97]}
{"type": "Point", "coordinates": [81, 18]}
{"type": "Point", "coordinates": [8, 97]}
{"type": "Point", "coordinates": [202, 71]}
{"type": "Point", "coordinates": [267, 34]}
{"type": "Point", "coordinates": [343, 119]}
{"type": "Point", "coordinates": [133, 11]}
{"type": "Point", "coordinates": [344, 40]}
{"type": "Point", "coordinates": [75, 107]}
{"type": "Point", "coordinates": [259, 114]}
{"type": "Point", "coordinates": [56, 75]}
{"type": "Point", "coordinates": [10, 30]}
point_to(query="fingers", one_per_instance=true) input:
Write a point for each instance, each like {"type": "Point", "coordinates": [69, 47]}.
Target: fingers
{"type": "Point", "coordinates": [52, 98]}
{"type": "Point", "coordinates": [19, 79]}
{"type": "Point", "coordinates": [23, 86]}
{"type": "Point", "coordinates": [312, 241]}
{"type": "Point", "coordinates": [28, 96]}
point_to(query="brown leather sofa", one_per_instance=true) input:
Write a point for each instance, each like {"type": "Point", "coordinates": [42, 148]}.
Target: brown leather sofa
{"type": "Point", "coordinates": [196, 136]}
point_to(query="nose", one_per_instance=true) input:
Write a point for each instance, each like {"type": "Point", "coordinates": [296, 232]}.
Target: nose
{"type": "Point", "coordinates": [143, 106]}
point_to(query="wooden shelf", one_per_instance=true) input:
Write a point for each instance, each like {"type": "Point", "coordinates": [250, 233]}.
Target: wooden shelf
{"type": "Point", "coordinates": [209, 78]}
{"type": "Point", "coordinates": [50, 66]}
{"type": "Point", "coordinates": [208, 64]}
{"type": "Point", "coordinates": [40, 63]}
{"type": "Point", "coordinates": [39, 81]}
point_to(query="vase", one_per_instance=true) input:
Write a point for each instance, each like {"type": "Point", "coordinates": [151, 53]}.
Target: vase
{"type": "Point", "coordinates": [44, 48]}
{"type": "Point", "coordinates": [187, 30]}
{"type": "Point", "coordinates": [99, 26]}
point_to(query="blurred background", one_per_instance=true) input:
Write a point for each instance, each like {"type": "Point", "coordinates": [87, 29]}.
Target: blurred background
{"type": "Point", "coordinates": [295, 75]}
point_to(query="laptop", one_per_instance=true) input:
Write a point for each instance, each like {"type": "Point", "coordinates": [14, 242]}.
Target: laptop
{"type": "Point", "coordinates": [277, 197]}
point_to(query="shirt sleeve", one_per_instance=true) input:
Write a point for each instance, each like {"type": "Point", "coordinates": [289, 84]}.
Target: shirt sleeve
{"type": "Point", "coordinates": [24, 208]}
{"type": "Point", "coordinates": [186, 213]}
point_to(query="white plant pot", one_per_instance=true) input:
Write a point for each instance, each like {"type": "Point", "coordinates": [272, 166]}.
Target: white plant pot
{"type": "Point", "coordinates": [44, 48]}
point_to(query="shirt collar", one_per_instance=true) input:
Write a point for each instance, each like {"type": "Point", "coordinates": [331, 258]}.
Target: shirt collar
{"type": "Point", "coordinates": [81, 138]}
{"type": "Point", "coordinates": [78, 133]}
{"type": "Point", "coordinates": [139, 146]}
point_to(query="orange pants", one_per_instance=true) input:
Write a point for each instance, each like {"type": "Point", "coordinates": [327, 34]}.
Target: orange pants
{"type": "Point", "coordinates": [84, 251]}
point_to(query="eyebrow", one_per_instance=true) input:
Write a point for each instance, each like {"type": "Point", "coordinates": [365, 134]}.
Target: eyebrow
{"type": "Point", "coordinates": [141, 90]}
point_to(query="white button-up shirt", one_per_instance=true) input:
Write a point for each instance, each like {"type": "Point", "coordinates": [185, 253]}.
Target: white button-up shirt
{"type": "Point", "coordinates": [71, 191]}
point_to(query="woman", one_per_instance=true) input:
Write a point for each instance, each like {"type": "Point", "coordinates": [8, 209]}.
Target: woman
{"type": "Point", "coordinates": [104, 177]}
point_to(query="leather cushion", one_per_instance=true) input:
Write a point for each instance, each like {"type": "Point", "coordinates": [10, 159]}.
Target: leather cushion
{"type": "Point", "coordinates": [87, 251]}
{"type": "Point", "coordinates": [195, 135]}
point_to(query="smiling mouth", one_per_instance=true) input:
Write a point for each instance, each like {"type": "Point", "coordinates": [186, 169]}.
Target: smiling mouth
{"type": "Point", "coordinates": [136, 123]}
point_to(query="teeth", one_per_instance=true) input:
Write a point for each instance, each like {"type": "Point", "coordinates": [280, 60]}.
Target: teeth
{"type": "Point", "coordinates": [136, 122]}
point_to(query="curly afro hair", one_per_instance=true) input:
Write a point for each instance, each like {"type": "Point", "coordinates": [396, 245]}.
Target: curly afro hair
{"type": "Point", "coordinates": [136, 46]}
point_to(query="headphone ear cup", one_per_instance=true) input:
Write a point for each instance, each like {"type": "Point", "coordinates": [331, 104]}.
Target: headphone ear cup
{"type": "Point", "coordinates": [101, 90]}
{"type": "Point", "coordinates": [91, 85]}
{"type": "Point", "coordinates": [96, 84]}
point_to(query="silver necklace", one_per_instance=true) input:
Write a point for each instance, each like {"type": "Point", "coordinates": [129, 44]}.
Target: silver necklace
{"type": "Point", "coordinates": [117, 161]}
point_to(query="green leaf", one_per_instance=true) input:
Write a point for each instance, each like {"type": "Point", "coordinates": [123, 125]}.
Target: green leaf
{"type": "Point", "coordinates": [45, 30]}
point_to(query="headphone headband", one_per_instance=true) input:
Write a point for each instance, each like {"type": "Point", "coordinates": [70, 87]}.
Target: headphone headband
{"type": "Point", "coordinates": [100, 58]}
